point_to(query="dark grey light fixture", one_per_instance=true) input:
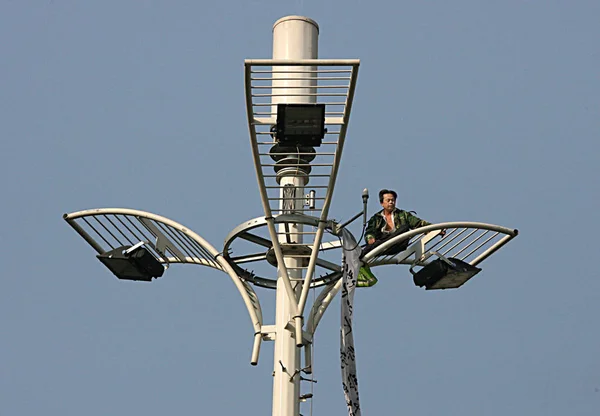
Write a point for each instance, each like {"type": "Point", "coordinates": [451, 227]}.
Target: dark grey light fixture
{"type": "Point", "coordinates": [444, 273]}
{"type": "Point", "coordinates": [132, 263]}
{"type": "Point", "coordinates": [300, 124]}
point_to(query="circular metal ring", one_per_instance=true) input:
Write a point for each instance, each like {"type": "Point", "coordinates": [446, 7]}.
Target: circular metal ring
{"type": "Point", "coordinates": [249, 232]}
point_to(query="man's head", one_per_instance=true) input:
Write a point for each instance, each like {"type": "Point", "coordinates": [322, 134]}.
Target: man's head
{"type": "Point", "coordinates": [387, 198]}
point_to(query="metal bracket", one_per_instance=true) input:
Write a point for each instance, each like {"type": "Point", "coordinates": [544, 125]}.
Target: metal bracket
{"type": "Point", "coordinates": [310, 199]}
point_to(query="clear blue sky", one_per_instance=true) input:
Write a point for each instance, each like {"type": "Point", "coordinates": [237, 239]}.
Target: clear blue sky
{"type": "Point", "coordinates": [472, 110]}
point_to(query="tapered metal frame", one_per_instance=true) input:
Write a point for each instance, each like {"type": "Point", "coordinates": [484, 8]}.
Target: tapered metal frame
{"type": "Point", "coordinates": [303, 67]}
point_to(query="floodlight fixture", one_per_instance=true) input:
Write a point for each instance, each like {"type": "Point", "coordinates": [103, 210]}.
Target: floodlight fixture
{"type": "Point", "coordinates": [132, 263]}
{"type": "Point", "coordinates": [444, 273]}
{"type": "Point", "coordinates": [300, 124]}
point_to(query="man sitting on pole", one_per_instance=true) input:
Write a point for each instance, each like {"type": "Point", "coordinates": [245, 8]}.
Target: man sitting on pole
{"type": "Point", "coordinates": [386, 224]}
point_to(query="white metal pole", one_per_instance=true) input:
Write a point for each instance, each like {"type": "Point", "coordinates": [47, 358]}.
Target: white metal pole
{"type": "Point", "coordinates": [294, 37]}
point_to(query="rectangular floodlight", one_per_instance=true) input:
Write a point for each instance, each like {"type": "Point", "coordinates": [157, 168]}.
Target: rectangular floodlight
{"type": "Point", "coordinates": [132, 263]}
{"type": "Point", "coordinates": [300, 124]}
{"type": "Point", "coordinates": [441, 274]}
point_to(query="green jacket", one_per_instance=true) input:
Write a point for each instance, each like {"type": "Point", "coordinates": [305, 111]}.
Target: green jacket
{"type": "Point", "coordinates": [401, 217]}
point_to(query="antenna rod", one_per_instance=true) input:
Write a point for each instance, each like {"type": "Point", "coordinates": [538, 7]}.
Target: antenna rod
{"type": "Point", "coordinates": [365, 197]}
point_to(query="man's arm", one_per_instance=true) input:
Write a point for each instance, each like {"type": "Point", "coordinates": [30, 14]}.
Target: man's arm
{"type": "Point", "coordinates": [415, 222]}
{"type": "Point", "coordinates": [371, 230]}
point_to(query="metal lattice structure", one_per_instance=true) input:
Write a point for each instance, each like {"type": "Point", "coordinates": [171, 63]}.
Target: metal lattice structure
{"type": "Point", "coordinates": [109, 228]}
{"type": "Point", "coordinates": [269, 82]}
{"type": "Point", "coordinates": [106, 229]}
{"type": "Point", "coordinates": [328, 82]}
{"type": "Point", "coordinates": [471, 242]}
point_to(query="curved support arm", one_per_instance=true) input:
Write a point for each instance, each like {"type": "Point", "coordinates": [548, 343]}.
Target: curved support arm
{"type": "Point", "coordinates": [281, 264]}
{"type": "Point", "coordinates": [418, 247]}
{"type": "Point", "coordinates": [311, 268]}
{"type": "Point", "coordinates": [252, 305]}
{"type": "Point", "coordinates": [321, 304]}
{"type": "Point", "coordinates": [122, 224]}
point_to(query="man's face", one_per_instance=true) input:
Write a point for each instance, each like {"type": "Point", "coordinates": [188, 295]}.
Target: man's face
{"type": "Point", "coordinates": [389, 202]}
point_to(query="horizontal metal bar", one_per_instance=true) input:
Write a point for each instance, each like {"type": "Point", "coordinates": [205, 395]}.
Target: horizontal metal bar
{"type": "Point", "coordinates": [264, 133]}
{"type": "Point", "coordinates": [272, 143]}
{"type": "Point", "coordinates": [303, 186]}
{"type": "Point", "coordinates": [306, 71]}
{"type": "Point", "coordinates": [296, 199]}
{"type": "Point", "coordinates": [296, 154]}
{"type": "Point", "coordinates": [317, 78]}
{"type": "Point", "coordinates": [266, 113]}
{"type": "Point", "coordinates": [302, 62]}
{"type": "Point", "coordinates": [263, 87]}
{"type": "Point", "coordinates": [307, 94]}
{"type": "Point", "coordinates": [296, 209]}
{"type": "Point", "coordinates": [326, 103]}
{"type": "Point", "coordinates": [269, 121]}
{"type": "Point", "coordinates": [291, 165]}
{"type": "Point", "coordinates": [310, 176]}
{"type": "Point", "coordinates": [296, 232]}
{"type": "Point", "coordinates": [294, 245]}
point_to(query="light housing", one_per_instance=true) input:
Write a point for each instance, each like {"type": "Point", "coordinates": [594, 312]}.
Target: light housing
{"type": "Point", "coordinates": [444, 273]}
{"type": "Point", "coordinates": [300, 124]}
{"type": "Point", "coordinates": [132, 263]}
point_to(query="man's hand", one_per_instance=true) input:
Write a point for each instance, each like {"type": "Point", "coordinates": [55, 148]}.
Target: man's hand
{"type": "Point", "coordinates": [442, 233]}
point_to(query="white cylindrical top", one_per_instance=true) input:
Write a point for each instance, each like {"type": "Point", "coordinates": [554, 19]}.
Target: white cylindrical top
{"type": "Point", "coordinates": [295, 37]}
{"type": "Point", "coordinates": [293, 17]}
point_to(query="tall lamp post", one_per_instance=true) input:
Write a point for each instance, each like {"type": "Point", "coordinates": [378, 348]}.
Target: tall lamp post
{"type": "Point", "coordinates": [298, 110]}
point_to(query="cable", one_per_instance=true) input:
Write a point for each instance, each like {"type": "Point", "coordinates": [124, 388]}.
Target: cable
{"type": "Point", "coordinates": [365, 199]}
{"type": "Point", "coordinates": [312, 358]}
{"type": "Point", "coordinates": [362, 234]}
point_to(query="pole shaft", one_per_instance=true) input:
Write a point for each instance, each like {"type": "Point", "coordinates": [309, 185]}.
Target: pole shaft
{"type": "Point", "coordinates": [294, 38]}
